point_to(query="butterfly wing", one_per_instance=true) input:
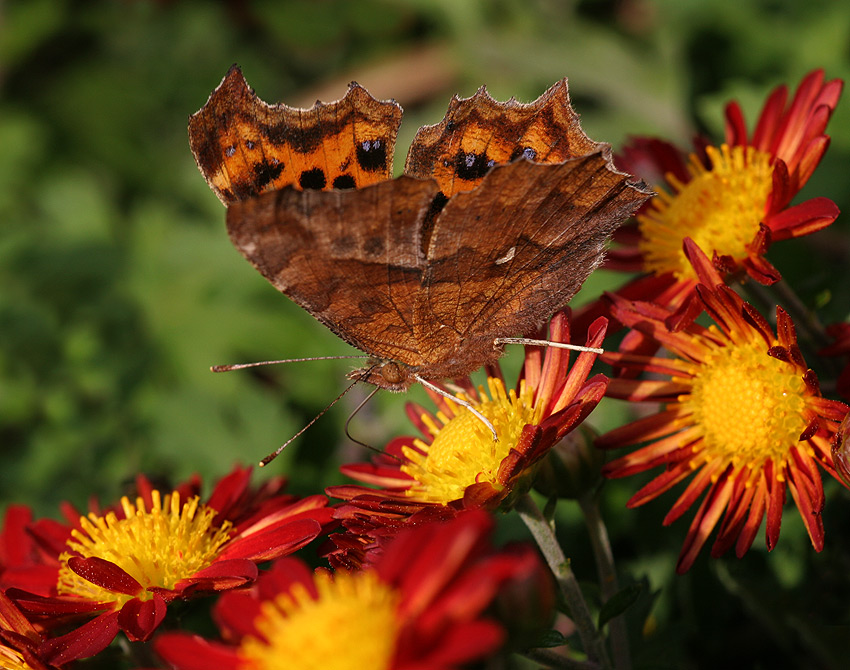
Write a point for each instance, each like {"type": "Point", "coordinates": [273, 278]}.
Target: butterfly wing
{"type": "Point", "coordinates": [244, 146]}
{"type": "Point", "coordinates": [505, 256]}
{"type": "Point", "coordinates": [352, 259]}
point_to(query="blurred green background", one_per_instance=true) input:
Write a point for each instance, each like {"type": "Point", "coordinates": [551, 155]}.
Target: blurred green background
{"type": "Point", "coordinates": [119, 287]}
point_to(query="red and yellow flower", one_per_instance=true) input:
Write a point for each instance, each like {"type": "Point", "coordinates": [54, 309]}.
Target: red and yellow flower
{"type": "Point", "coordinates": [733, 200]}
{"type": "Point", "coordinates": [420, 605]}
{"type": "Point", "coordinates": [21, 645]}
{"type": "Point", "coordinates": [743, 417]}
{"type": "Point", "coordinates": [124, 565]}
{"type": "Point", "coordinates": [458, 465]}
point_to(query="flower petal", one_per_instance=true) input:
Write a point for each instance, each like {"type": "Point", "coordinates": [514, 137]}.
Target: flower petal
{"type": "Point", "coordinates": [192, 652]}
{"type": "Point", "coordinates": [87, 640]}
{"type": "Point", "coordinates": [104, 574]}
{"type": "Point", "coordinates": [140, 618]}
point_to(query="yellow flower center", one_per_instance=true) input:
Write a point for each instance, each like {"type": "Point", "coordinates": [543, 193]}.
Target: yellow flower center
{"type": "Point", "coordinates": [352, 624]}
{"type": "Point", "coordinates": [720, 209]}
{"type": "Point", "coordinates": [157, 547]}
{"type": "Point", "coordinates": [12, 660]}
{"type": "Point", "coordinates": [463, 451]}
{"type": "Point", "coordinates": [750, 405]}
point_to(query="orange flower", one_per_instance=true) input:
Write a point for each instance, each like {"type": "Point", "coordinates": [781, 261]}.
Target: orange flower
{"type": "Point", "coordinates": [743, 415]}
{"type": "Point", "coordinates": [732, 200]}
{"type": "Point", "coordinates": [458, 465]}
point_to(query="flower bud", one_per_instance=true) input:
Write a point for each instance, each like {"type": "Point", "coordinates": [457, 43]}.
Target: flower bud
{"type": "Point", "coordinates": [572, 467]}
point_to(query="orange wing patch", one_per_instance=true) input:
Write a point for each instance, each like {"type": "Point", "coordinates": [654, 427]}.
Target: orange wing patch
{"type": "Point", "coordinates": [245, 147]}
{"type": "Point", "coordinates": [479, 132]}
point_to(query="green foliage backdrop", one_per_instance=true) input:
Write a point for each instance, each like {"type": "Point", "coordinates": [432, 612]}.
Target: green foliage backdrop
{"type": "Point", "coordinates": [119, 287]}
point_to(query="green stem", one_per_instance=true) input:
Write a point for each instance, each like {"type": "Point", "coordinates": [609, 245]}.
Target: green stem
{"type": "Point", "coordinates": [544, 535]}
{"type": "Point", "coordinates": [609, 587]}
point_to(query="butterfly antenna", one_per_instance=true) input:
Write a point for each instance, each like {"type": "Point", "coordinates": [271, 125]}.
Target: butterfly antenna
{"type": "Point", "coordinates": [459, 401]}
{"type": "Point", "coordinates": [268, 459]}
{"type": "Point", "coordinates": [546, 343]}
{"type": "Point", "coordinates": [242, 366]}
{"type": "Point", "coordinates": [354, 439]}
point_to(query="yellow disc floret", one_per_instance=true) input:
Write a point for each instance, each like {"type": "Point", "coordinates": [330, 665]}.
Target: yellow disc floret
{"type": "Point", "coordinates": [353, 623]}
{"type": "Point", "coordinates": [157, 547]}
{"type": "Point", "coordinates": [463, 451]}
{"type": "Point", "coordinates": [719, 208]}
{"type": "Point", "coordinates": [749, 405]}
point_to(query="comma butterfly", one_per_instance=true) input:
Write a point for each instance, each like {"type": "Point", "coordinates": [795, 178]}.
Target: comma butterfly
{"type": "Point", "coordinates": [502, 212]}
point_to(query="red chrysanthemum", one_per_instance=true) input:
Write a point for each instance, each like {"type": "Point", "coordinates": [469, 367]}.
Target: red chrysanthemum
{"type": "Point", "coordinates": [733, 200]}
{"type": "Point", "coordinates": [458, 465]}
{"type": "Point", "coordinates": [421, 605]}
{"type": "Point", "coordinates": [743, 416]}
{"type": "Point", "coordinates": [126, 564]}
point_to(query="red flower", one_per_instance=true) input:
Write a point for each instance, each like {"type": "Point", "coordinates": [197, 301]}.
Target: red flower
{"type": "Point", "coordinates": [458, 465]}
{"type": "Point", "coordinates": [420, 605]}
{"type": "Point", "coordinates": [743, 415]}
{"type": "Point", "coordinates": [126, 564]}
{"type": "Point", "coordinates": [732, 200]}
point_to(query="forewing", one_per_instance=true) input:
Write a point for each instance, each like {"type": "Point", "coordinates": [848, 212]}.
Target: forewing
{"type": "Point", "coordinates": [245, 147]}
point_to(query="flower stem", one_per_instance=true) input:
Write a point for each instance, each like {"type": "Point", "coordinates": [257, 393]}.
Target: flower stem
{"type": "Point", "coordinates": [589, 504]}
{"type": "Point", "coordinates": [544, 535]}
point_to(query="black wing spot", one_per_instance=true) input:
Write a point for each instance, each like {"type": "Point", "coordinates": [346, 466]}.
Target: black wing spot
{"type": "Point", "coordinates": [372, 155]}
{"type": "Point", "coordinates": [472, 166]}
{"type": "Point", "coordinates": [313, 179]}
{"type": "Point", "coordinates": [344, 181]}
{"type": "Point", "coordinates": [267, 172]}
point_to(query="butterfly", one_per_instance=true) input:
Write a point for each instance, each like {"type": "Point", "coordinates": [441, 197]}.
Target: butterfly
{"type": "Point", "coordinates": [502, 212]}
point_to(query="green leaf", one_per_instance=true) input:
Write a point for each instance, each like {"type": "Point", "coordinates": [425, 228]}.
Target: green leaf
{"type": "Point", "coordinates": [619, 603]}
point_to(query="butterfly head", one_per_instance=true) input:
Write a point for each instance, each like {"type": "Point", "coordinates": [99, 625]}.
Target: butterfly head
{"type": "Point", "coordinates": [386, 374]}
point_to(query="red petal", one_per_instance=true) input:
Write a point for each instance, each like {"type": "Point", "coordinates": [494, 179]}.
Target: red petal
{"type": "Point", "coordinates": [192, 652]}
{"type": "Point", "coordinates": [754, 518]}
{"type": "Point", "coordinates": [670, 450]}
{"type": "Point", "coordinates": [704, 521]}
{"type": "Point", "coordinates": [273, 543]}
{"type": "Point", "coordinates": [140, 618]}
{"type": "Point", "coordinates": [736, 127]}
{"type": "Point", "coordinates": [736, 514]}
{"type": "Point", "coordinates": [44, 607]}
{"type": "Point", "coordinates": [663, 482]}
{"type": "Point", "coordinates": [803, 219]}
{"type": "Point", "coordinates": [775, 503]}
{"type": "Point", "coordinates": [699, 483]}
{"type": "Point", "coordinates": [808, 511]}
{"type": "Point", "coordinates": [104, 574]}
{"type": "Point", "coordinates": [769, 119]}
{"type": "Point", "coordinates": [87, 640]}
{"type": "Point", "coordinates": [222, 575]}
{"type": "Point", "coordinates": [229, 490]}
{"type": "Point", "coordinates": [643, 430]}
